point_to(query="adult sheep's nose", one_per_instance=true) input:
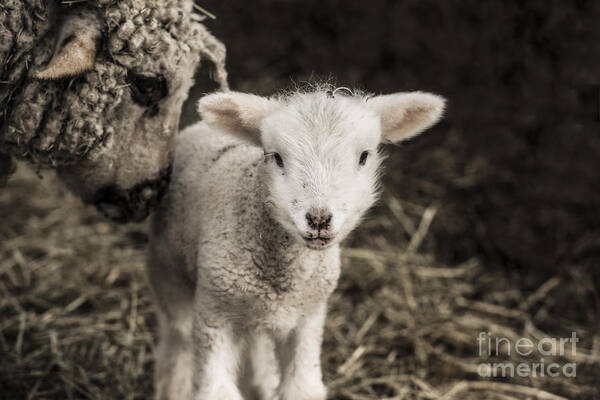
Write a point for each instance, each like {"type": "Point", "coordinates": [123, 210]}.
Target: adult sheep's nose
{"type": "Point", "coordinates": [319, 218]}
{"type": "Point", "coordinates": [131, 205]}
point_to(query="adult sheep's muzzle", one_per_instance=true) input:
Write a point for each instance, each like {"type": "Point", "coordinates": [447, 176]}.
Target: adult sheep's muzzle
{"type": "Point", "coordinates": [133, 204]}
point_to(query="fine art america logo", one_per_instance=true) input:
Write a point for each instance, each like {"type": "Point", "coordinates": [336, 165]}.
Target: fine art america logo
{"type": "Point", "coordinates": [490, 347]}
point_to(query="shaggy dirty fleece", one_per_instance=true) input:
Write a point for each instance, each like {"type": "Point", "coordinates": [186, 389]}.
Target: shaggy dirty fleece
{"type": "Point", "coordinates": [76, 319]}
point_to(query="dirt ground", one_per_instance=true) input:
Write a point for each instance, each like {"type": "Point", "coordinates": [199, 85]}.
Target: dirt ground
{"type": "Point", "coordinates": [489, 223]}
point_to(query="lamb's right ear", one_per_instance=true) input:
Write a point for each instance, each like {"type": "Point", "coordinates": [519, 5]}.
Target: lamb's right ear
{"type": "Point", "coordinates": [237, 113]}
{"type": "Point", "coordinates": [75, 49]}
{"type": "Point", "coordinates": [405, 115]}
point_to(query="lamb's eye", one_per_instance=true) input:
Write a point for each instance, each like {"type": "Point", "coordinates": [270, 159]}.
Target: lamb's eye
{"type": "Point", "coordinates": [147, 90]}
{"type": "Point", "coordinates": [278, 160]}
{"type": "Point", "coordinates": [363, 157]}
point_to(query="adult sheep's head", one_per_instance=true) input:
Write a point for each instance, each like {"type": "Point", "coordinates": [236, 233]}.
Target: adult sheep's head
{"type": "Point", "coordinates": [101, 97]}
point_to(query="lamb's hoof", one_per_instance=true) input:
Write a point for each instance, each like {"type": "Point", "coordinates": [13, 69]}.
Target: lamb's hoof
{"type": "Point", "coordinates": [306, 392]}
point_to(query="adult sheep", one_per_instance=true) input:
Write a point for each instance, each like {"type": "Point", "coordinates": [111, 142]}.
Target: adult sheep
{"type": "Point", "coordinates": [94, 89]}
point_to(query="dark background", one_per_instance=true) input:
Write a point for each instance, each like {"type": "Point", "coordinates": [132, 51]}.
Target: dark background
{"type": "Point", "coordinates": [513, 165]}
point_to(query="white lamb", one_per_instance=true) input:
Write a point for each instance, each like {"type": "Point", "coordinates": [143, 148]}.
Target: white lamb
{"type": "Point", "coordinates": [244, 249]}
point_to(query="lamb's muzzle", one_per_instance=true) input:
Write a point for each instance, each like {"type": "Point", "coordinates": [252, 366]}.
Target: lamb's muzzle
{"type": "Point", "coordinates": [319, 219]}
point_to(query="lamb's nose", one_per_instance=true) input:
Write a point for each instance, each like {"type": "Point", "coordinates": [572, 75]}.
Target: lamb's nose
{"type": "Point", "coordinates": [319, 218]}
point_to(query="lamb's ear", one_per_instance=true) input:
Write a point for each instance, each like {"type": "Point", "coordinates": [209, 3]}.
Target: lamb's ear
{"type": "Point", "coordinates": [75, 49]}
{"type": "Point", "coordinates": [404, 115]}
{"type": "Point", "coordinates": [237, 113]}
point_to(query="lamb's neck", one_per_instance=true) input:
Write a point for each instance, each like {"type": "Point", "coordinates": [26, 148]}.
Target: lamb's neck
{"type": "Point", "coordinates": [277, 252]}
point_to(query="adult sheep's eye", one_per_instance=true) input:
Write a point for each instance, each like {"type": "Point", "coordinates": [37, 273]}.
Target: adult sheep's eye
{"type": "Point", "coordinates": [147, 90]}
{"type": "Point", "coordinates": [363, 157]}
{"type": "Point", "coordinates": [278, 160]}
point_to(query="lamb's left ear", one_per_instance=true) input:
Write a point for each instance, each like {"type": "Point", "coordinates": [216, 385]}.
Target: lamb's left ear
{"type": "Point", "coordinates": [238, 113]}
{"type": "Point", "coordinates": [404, 115]}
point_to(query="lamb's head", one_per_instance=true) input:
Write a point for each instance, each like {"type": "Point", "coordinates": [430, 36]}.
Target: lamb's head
{"type": "Point", "coordinates": [322, 158]}
{"type": "Point", "coordinates": [102, 98]}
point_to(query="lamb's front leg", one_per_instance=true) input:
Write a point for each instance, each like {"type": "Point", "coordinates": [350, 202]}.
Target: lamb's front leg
{"type": "Point", "coordinates": [216, 358]}
{"type": "Point", "coordinates": [299, 355]}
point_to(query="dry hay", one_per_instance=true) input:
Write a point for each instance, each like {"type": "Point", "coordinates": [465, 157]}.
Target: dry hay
{"type": "Point", "coordinates": [76, 320]}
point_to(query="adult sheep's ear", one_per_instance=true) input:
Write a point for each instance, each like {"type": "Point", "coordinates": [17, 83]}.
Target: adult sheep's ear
{"type": "Point", "coordinates": [75, 49]}
{"type": "Point", "coordinates": [405, 115]}
{"type": "Point", "coordinates": [238, 113]}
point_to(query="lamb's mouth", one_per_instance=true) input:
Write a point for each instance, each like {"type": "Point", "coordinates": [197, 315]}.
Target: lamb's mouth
{"type": "Point", "coordinates": [317, 241]}
{"type": "Point", "coordinates": [133, 204]}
